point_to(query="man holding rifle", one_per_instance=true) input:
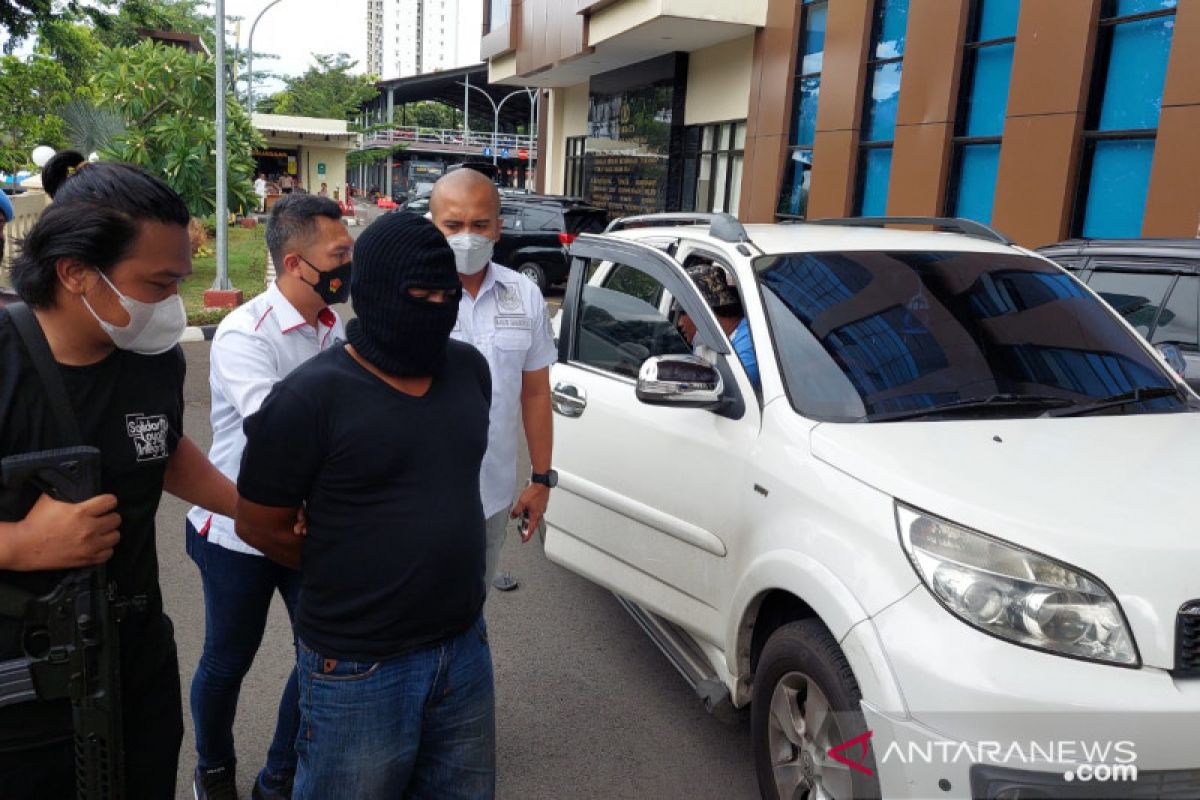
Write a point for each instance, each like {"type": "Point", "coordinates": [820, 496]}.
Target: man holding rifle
{"type": "Point", "coordinates": [101, 272]}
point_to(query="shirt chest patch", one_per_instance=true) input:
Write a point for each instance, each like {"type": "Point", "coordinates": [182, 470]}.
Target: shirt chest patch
{"type": "Point", "coordinates": [149, 435]}
{"type": "Point", "coordinates": [511, 323]}
{"type": "Point", "coordinates": [508, 299]}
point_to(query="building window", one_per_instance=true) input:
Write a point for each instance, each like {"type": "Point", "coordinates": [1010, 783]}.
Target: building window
{"type": "Point", "coordinates": [881, 100]}
{"type": "Point", "coordinates": [982, 102]}
{"type": "Point", "coordinates": [573, 182]}
{"type": "Point", "coordinates": [498, 14]}
{"type": "Point", "coordinates": [1132, 46]}
{"type": "Point", "coordinates": [793, 196]}
{"type": "Point", "coordinates": [712, 167]}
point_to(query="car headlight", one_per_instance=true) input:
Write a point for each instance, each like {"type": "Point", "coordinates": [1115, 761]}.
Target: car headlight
{"type": "Point", "coordinates": [1015, 594]}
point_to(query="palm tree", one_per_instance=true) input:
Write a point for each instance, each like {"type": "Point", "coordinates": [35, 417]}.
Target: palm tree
{"type": "Point", "coordinates": [89, 127]}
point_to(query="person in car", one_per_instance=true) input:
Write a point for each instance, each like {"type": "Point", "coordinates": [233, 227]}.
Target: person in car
{"type": "Point", "coordinates": [718, 289]}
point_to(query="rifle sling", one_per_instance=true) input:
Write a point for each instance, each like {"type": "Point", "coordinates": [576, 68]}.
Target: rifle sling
{"type": "Point", "coordinates": [39, 352]}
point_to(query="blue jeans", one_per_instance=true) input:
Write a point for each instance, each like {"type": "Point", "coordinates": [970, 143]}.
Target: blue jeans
{"type": "Point", "coordinates": [422, 725]}
{"type": "Point", "coordinates": [237, 596]}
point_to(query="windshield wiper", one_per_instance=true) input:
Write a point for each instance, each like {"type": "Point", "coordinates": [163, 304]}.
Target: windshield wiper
{"type": "Point", "coordinates": [1008, 401]}
{"type": "Point", "coordinates": [1138, 395]}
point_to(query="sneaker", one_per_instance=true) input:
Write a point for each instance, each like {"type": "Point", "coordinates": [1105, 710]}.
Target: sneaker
{"type": "Point", "coordinates": [271, 790]}
{"type": "Point", "coordinates": [218, 783]}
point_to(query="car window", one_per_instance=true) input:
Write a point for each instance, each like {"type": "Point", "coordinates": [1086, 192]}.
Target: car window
{"type": "Point", "coordinates": [618, 329]}
{"type": "Point", "coordinates": [634, 283]}
{"type": "Point", "coordinates": [585, 220]}
{"type": "Point", "coordinates": [418, 206]}
{"type": "Point", "coordinates": [541, 219]}
{"type": "Point", "coordinates": [510, 218]}
{"type": "Point", "coordinates": [1136, 296]}
{"type": "Point", "coordinates": [870, 335]}
{"type": "Point", "coordinates": [1179, 321]}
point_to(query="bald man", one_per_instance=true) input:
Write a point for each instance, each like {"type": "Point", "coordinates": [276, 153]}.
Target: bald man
{"type": "Point", "coordinates": [503, 314]}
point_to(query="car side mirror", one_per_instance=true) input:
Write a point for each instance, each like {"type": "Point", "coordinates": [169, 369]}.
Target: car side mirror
{"type": "Point", "coordinates": [1173, 356]}
{"type": "Point", "coordinates": [679, 380]}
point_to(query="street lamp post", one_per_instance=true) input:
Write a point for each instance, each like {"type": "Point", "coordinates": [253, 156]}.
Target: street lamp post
{"type": "Point", "coordinates": [496, 114]}
{"type": "Point", "coordinates": [250, 56]}
{"type": "Point", "coordinates": [221, 282]}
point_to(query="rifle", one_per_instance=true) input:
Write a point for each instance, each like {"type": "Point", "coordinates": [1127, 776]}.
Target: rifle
{"type": "Point", "coordinates": [70, 635]}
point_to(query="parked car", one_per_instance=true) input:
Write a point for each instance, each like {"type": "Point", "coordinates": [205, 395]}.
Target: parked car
{"type": "Point", "coordinates": [1153, 283]}
{"type": "Point", "coordinates": [536, 231]}
{"type": "Point", "coordinates": [959, 512]}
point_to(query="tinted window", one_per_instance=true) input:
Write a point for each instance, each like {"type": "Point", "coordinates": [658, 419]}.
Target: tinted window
{"type": "Point", "coordinates": [1179, 321]}
{"type": "Point", "coordinates": [865, 335]}
{"type": "Point", "coordinates": [510, 218]}
{"type": "Point", "coordinates": [619, 329]}
{"type": "Point", "coordinates": [542, 219]}
{"type": "Point", "coordinates": [1136, 296]}
{"type": "Point", "coordinates": [589, 221]}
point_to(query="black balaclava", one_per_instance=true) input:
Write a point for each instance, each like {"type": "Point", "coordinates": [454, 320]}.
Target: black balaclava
{"type": "Point", "coordinates": [399, 334]}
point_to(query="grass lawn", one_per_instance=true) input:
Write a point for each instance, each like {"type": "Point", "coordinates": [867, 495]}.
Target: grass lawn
{"type": "Point", "coordinates": [247, 271]}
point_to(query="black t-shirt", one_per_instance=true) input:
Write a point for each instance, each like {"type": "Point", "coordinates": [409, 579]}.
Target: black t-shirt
{"type": "Point", "coordinates": [129, 406]}
{"type": "Point", "coordinates": [394, 556]}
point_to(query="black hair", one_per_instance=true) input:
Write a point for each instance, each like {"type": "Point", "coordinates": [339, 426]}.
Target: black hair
{"type": "Point", "coordinates": [294, 217]}
{"type": "Point", "coordinates": [95, 218]}
{"type": "Point", "coordinates": [730, 310]}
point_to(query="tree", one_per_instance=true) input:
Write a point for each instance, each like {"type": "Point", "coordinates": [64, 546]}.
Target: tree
{"type": "Point", "coordinates": [22, 17]}
{"type": "Point", "coordinates": [122, 29]}
{"type": "Point", "coordinates": [74, 46]}
{"type": "Point", "coordinates": [167, 98]}
{"type": "Point", "coordinates": [89, 128]}
{"type": "Point", "coordinates": [428, 114]}
{"type": "Point", "coordinates": [30, 90]}
{"type": "Point", "coordinates": [324, 90]}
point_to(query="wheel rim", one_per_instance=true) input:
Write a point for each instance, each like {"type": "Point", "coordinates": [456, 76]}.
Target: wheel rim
{"type": "Point", "coordinates": [531, 273]}
{"type": "Point", "coordinates": [801, 729]}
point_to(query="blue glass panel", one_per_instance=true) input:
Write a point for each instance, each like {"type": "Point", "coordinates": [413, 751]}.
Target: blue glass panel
{"type": "Point", "coordinates": [977, 168]}
{"type": "Point", "coordinates": [998, 19]}
{"type": "Point", "coordinates": [876, 166]}
{"type": "Point", "coordinates": [813, 51]}
{"type": "Point", "coordinates": [793, 199]}
{"type": "Point", "coordinates": [989, 90]}
{"type": "Point", "coordinates": [891, 22]}
{"type": "Point", "coordinates": [880, 124]}
{"type": "Point", "coordinates": [1121, 8]}
{"type": "Point", "coordinates": [1116, 197]}
{"type": "Point", "coordinates": [804, 127]}
{"type": "Point", "coordinates": [1137, 68]}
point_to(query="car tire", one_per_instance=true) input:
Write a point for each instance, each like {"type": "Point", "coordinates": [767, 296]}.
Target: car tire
{"type": "Point", "coordinates": [535, 273]}
{"type": "Point", "coordinates": [800, 672]}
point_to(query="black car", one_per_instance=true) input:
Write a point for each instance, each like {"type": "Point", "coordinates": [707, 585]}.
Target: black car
{"type": "Point", "coordinates": [536, 231]}
{"type": "Point", "coordinates": [1153, 283]}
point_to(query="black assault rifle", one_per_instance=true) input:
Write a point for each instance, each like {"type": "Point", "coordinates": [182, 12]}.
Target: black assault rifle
{"type": "Point", "coordinates": [69, 636]}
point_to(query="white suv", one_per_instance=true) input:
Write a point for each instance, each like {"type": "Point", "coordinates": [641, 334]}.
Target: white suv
{"type": "Point", "coordinates": [948, 549]}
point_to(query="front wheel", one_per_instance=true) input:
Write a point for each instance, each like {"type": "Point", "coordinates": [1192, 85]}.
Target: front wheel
{"type": "Point", "coordinates": [535, 273]}
{"type": "Point", "coordinates": [806, 703]}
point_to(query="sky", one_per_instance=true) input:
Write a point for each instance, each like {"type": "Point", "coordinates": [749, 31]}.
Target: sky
{"type": "Point", "coordinates": [295, 29]}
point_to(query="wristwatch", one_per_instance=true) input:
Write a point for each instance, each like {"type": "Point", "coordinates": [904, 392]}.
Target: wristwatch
{"type": "Point", "coordinates": [549, 478]}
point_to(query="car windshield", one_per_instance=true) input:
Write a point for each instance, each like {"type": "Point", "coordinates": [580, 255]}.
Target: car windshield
{"type": "Point", "coordinates": [877, 336]}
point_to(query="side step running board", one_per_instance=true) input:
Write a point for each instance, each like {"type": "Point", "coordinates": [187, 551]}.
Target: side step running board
{"type": "Point", "coordinates": [683, 653]}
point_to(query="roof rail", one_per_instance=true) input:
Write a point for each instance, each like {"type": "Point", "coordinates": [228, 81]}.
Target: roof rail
{"type": "Point", "coordinates": [720, 226]}
{"type": "Point", "coordinates": [967, 227]}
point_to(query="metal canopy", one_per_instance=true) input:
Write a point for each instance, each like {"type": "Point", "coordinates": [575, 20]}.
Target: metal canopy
{"type": "Point", "coordinates": [446, 87]}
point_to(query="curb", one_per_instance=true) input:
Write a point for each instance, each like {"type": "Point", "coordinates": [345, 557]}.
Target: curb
{"type": "Point", "coordinates": [198, 333]}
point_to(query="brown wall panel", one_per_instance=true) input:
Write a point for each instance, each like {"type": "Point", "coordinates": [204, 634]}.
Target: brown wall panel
{"type": "Point", "coordinates": [835, 158]}
{"type": "Point", "coordinates": [1052, 62]}
{"type": "Point", "coordinates": [1173, 204]}
{"type": "Point", "coordinates": [932, 61]}
{"type": "Point", "coordinates": [768, 123]}
{"type": "Point", "coordinates": [847, 34]}
{"type": "Point", "coordinates": [551, 31]}
{"type": "Point", "coordinates": [920, 164]}
{"type": "Point", "coordinates": [1183, 69]}
{"type": "Point", "coordinates": [1035, 189]}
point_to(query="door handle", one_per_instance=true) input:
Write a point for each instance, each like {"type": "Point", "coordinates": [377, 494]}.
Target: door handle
{"type": "Point", "coordinates": [568, 399]}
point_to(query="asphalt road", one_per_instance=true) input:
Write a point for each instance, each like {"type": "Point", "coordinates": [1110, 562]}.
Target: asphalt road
{"type": "Point", "coordinates": [586, 706]}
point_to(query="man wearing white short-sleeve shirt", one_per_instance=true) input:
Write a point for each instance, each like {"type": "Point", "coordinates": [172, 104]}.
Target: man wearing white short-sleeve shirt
{"type": "Point", "coordinates": [254, 348]}
{"type": "Point", "coordinates": [504, 315]}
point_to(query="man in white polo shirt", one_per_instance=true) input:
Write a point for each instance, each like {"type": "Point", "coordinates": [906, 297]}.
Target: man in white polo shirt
{"type": "Point", "coordinates": [504, 315]}
{"type": "Point", "coordinates": [255, 347]}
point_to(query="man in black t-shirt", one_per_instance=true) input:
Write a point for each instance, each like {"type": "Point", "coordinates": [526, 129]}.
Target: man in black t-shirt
{"type": "Point", "coordinates": [381, 443]}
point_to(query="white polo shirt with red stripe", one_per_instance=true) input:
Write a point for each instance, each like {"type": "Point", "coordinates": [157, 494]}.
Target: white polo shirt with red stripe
{"type": "Point", "coordinates": [254, 348]}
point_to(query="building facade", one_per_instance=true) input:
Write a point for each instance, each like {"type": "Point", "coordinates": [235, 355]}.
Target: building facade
{"type": "Point", "coordinates": [414, 37]}
{"type": "Point", "coordinates": [1044, 118]}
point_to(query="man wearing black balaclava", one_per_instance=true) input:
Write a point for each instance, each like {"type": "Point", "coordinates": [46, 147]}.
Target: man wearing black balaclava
{"type": "Point", "coordinates": [381, 442]}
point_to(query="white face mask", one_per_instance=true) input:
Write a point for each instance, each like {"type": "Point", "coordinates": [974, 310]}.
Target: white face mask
{"type": "Point", "coordinates": [472, 252]}
{"type": "Point", "coordinates": [153, 327]}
